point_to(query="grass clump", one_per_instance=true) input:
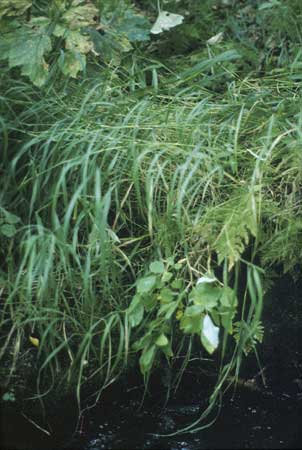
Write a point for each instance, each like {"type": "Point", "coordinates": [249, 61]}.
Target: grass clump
{"type": "Point", "coordinates": [197, 172]}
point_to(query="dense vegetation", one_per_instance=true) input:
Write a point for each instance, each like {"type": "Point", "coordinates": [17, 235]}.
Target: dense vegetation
{"type": "Point", "coordinates": [150, 186]}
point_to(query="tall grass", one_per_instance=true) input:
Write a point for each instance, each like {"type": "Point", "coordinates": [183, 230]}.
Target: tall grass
{"type": "Point", "coordinates": [101, 179]}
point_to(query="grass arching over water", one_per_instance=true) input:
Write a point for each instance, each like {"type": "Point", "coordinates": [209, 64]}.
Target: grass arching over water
{"type": "Point", "coordinates": [102, 180]}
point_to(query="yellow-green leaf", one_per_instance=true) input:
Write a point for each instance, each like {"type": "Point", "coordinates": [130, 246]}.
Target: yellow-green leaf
{"type": "Point", "coordinates": [161, 341]}
{"type": "Point", "coordinates": [34, 341]}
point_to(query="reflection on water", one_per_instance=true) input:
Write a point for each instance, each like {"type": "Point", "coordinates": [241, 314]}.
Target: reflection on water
{"type": "Point", "coordinates": [248, 420]}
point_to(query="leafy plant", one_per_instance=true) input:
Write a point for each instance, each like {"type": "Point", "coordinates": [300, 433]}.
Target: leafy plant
{"type": "Point", "coordinates": [188, 156]}
{"type": "Point", "coordinates": [163, 300]}
{"type": "Point", "coordinates": [8, 222]}
{"type": "Point", "coordinates": [243, 333]}
{"type": "Point", "coordinates": [32, 37]}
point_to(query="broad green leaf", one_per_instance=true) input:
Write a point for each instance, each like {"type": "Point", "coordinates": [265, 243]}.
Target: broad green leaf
{"type": "Point", "coordinates": [109, 45]}
{"type": "Point", "coordinates": [146, 284]}
{"type": "Point", "coordinates": [190, 325]}
{"type": "Point", "coordinates": [60, 30]}
{"type": "Point", "coordinates": [146, 359]}
{"type": "Point", "coordinates": [167, 350]}
{"type": "Point", "coordinates": [72, 63]}
{"type": "Point", "coordinates": [170, 261]}
{"type": "Point", "coordinates": [134, 302]}
{"type": "Point", "coordinates": [157, 267]}
{"type": "Point", "coordinates": [81, 14]}
{"type": "Point", "coordinates": [228, 298]}
{"type": "Point", "coordinates": [167, 277]}
{"type": "Point", "coordinates": [28, 50]}
{"type": "Point", "coordinates": [149, 301]}
{"type": "Point", "coordinates": [227, 315]}
{"type": "Point", "coordinates": [134, 26]}
{"type": "Point", "coordinates": [161, 341]}
{"type": "Point", "coordinates": [77, 42]}
{"type": "Point", "coordinates": [136, 315]}
{"type": "Point", "coordinates": [8, 230]}
{"type": "Point", "coordinates": [40, 21]}
{"type": "Point", "coordinates": [5, 44]}
{"type": "Point", "coordinates": [177, 283]}
{"type": "Point", "coordinates": [142, 343]}
{"type": "Point", "coordinates": [194, 310]}
{"type": "Point", "coordinates": [166, 295]}
{"type": "Point", "coordinates": [206, 295]}
{"type": "Point", "coordinates": [168, 310]}
{"type": "Point", "coordinates": [37, 74]}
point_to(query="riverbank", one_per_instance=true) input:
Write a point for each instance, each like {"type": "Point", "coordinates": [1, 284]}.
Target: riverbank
{"type": "Point", "coordinates": [148, 205]}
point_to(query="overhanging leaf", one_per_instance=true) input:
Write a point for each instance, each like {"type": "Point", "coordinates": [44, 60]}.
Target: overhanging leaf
{"type": "Point", "coordinates": [28, 50]}
{"type": "Point", "coordinates": [206, 295]}
{"type": "Point", "coordinates": [166, 295]}
{"type": "Point", "coordinates": [190, 325]}
{"type": "Point", "coordinates": [146, 359]}
{"type": "Point", "coordinates": [161, 341]}
{"type": "Point", "coordinates": [146, 284]}
{"type": "Point", "coordinates": [136, 311]}
{"type": "Point", "coordinates": [168, 309]}
{"type": "Point", "coordinates": [157, 267]}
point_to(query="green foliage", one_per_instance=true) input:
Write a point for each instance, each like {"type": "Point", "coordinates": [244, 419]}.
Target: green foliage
{"type": "Point", "coordinates": [8, 397]}
{"type": "Point", "coordinates": [238, 219]}
{"type": "Point", "coordinates": [66, 32]}
{"type": "Point", "coordinates": [195, 156]}
{"type": "Point", "coordinates": [161, 301]}
{"type": "Point", "coordinates": [8, 223]}
{"type": "Point", "coordinates": [242, 332]}
{"type": "Point", "coordinates": [11, 8]}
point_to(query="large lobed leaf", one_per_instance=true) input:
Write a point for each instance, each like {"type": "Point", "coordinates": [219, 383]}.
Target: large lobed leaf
{"type": "Point", "coordinates": [11, 8]}
{"type": "Point", "coordinates": [27, 49]}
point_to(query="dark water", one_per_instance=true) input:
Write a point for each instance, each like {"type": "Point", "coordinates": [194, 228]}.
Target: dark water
{"type": "Point", "coordinates": [265, 418]}
{"type": "Point", "coordinates": [248, 420]}
{"type": "Point", "coordinates": [262, 418]}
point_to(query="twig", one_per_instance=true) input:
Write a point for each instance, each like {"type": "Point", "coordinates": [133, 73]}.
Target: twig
{"type": "Point", "coordinates": [36, 425]}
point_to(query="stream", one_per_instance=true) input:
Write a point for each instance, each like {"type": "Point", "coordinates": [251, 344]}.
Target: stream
{"type": "Point", "coordinates": [247, 421]}
{"type": "Point", "coordinates": [251, 417]}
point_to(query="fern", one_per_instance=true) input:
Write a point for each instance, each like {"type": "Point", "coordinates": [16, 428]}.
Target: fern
{"type": "Point", "coordinates": [242, 333]}
{"type": "Point", "coordinates": [235, 222]}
